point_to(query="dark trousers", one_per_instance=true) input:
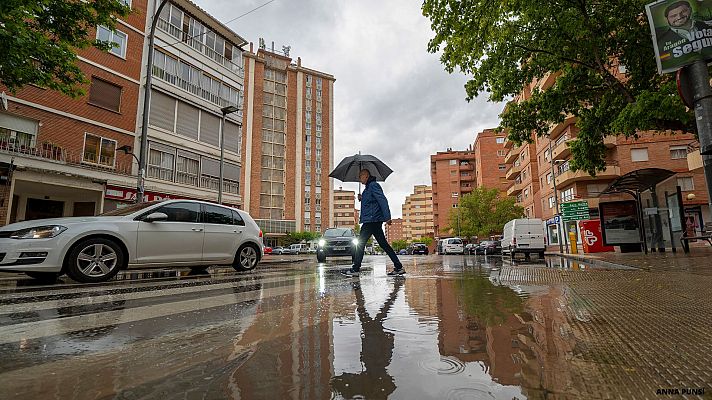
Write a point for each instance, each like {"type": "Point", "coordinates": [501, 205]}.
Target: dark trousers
{"type": "Point", "coordinates": [375, 229]}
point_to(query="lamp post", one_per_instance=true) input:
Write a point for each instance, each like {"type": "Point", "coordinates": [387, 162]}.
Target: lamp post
{"type": "Point", "coordinates": [556, 197]}
{"type": "Point", "coordinates": [225, 111]}
{"type": "Point", "coordinates": [146, 101]}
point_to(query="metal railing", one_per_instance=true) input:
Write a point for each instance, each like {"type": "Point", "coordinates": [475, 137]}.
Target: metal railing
{"type": "Point", "coordinates": [56, 154]}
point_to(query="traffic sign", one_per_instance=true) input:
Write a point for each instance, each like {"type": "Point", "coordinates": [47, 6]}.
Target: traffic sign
{"type": "Point", "coordinates": [575, 211]}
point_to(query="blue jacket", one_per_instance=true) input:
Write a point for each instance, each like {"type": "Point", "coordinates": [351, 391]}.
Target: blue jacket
{"type": "Point", "coordinates": [374, 205]}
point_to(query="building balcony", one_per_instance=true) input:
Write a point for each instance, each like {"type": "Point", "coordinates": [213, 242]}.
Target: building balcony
{"type": "Point", "coordinates": [513, 172]}
{"type": "Point", "coordinates": [568, 177]}
{"type": "Point", "coordinates": [694, 160]}
{"type": "Point", "coordinates": [610, 141]}
{"type": "Point", "coordinates": [467, 167]}
{"type": "Point", "coordinates": [515, 189]}
{"type": "Point", "coordinates": [55, 156]}
{"type": "Point", "coordinates": [508, 143]}
{"type": "Point", "coordinates": [556, 130]}
{"type": "Point", "coordinates": [561, 150]}
{"type": "Point", "coordinates": [511, 155]}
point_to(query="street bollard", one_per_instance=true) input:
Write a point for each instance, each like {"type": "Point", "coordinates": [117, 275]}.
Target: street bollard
{"type": "Point", "coordinates": [572, 241]}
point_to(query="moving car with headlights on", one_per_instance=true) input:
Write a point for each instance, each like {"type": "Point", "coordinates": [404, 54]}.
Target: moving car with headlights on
{"type": "Point", "coordinates": [337, 242]}
{"type": "Point", "coordinates": [172, 233]}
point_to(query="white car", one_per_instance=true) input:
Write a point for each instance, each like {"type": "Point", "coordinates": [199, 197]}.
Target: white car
{"type": "Point", "coordinates": [166, 233]}
{"type": "Point", "coordinates": [453, 246]}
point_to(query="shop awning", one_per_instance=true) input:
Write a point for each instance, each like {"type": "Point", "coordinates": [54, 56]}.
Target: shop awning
{"type": "Point", "coordinates": [638, 180]}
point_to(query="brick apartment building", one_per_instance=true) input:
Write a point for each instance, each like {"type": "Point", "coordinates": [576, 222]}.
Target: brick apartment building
{"type": "Point", "coordinates": [57, 154]}
{"type": "Point", "coordinates": [288, 137]}
{"type": "Point", "coordinates": [453, 175]}
{"type": "Point", "coordinates": [344, 208]}
{"type": "Point", "coordinates": [490, 165]}
{"type": "Point", "coordinates": [418, 213]}
{"type": "Point", "coordinates": [394, 231]}
{"type": "Point", "coordinates": [536, 166]}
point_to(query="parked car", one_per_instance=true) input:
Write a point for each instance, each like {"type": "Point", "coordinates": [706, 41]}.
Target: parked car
{"type": "Point", "coordinates": [403, 252]}
{"type": "Point", "coordinates": [418, 248]}
{"type": "Point", "coordinates": [337, 242]}
{"type": "Point", "coordinates": [278, 250]}
{"type": "Point", "coordinates": [453, 246]}
{"type": "Point", "coordinates": [489, 247]}
{"type": "Point", "coordinates": [290, 250]}
{"type": "Point", "coordinates": [160, 233]}
{"type": "Point", "coordinates": [523, 235]}
{"type": "Point", "coordinates": [268, 250]}
{"type": "Point", "coordinates": [470, 248]}
{"type": "Point", "coordinates": [299, 248]}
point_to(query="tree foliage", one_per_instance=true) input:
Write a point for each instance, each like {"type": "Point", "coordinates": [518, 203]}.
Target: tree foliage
{"type": "Point", "coordinates": [426, 240]}
{"type": "Point", "coordinates": [399, 245]}
{"type": "Point", "coordinates": [505, 45]}
{"type": "Point", "coordinates": [299, 237]}
{"type": "Point", "coordinates": [39, 40]}
{"type": "Point", "coordinates": [483, 213]}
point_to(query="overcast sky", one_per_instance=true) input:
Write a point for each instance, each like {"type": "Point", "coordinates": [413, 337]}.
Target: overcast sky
{"type": "Point", "coordinates": [393, 99]}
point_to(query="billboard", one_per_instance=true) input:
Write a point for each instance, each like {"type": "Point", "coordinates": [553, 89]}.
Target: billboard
{"type": "Point", "coordinates": [682, 32]}
{"type": "Point", "coordinates": [619, 222]}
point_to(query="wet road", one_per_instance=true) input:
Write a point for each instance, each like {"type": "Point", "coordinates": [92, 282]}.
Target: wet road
{"type": "Point", "coordinates": [456, 328]}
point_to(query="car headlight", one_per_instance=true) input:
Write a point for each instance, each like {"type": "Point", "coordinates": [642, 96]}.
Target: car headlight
{"type": "Point", "coordinates": [40, 232]}
{"type": "Point", "coordinates": [354, 241]}
{"type": "Point", "coordinates": [322, 243]}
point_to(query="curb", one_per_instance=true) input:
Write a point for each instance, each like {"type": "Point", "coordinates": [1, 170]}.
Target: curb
{"type": "Point", "coordinates": [592, 261]}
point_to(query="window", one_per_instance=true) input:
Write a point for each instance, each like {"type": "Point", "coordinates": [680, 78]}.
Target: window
{"type": "Point", "coordinates": [526, 193]}
{"type": "Point", "coordinates": [453, 162]}
{"type": "Point", "coordinates": [639, 154]}
{"type": "Point", "coordinates": [552, 202]}
{"type": "Point", "coordinates": [187, 166]}
{"type": "Point", "coordinates": [502, 167]}
{"type": "Point", "coordinates": [217, 215]}
{"type": "Point", "coordinates": [181, 212]}
{"type": "Point", "coordinates": [99, 150]}
{"type": "Point", "coordinates": [594, 189]}
{"type": "Point", "coordinates": [501, 153]}
{"type": "Point", "coordinates": [160, 162]}
{"type": "Point", "coordinates": [678, 152]}
{"type": "Point", "coordinates": [548, 178]}
{"type": "Point", "coordinates": [237, 218]}
{"type": "Point", "coordinates": [127, 3]}
{"type": "Point", "coordinates": [500, 140]}
{"type": "Point", "coordinates": [17, 132]}
{"type": "Point", "coordinates": [105, 94]}
{"type": "Point", "coordinates": [686, 183]}
{"type": "Point", "coordinates": [115, 38]}
{"type": "Point", "coordinates": [567, 195]}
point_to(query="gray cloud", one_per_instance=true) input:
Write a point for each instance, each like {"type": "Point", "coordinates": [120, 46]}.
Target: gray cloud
{"type": "Point", "coordinates": [392, 98]}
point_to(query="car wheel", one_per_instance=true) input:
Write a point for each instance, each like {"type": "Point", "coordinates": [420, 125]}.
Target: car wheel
{"type": "Point", "coordinates": [321, 257]}
{"type": "Point", "coordinates": [247, 257]}
{"type": "Point", "coordinates": [94, 260]}
{"type": "Point", "coordinates": [43, 276]}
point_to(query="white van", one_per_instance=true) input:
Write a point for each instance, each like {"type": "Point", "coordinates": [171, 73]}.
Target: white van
{"type": "Point", "coordinates": [452, 246]}
{"type": "Point", "coordinates": [300, 248]}
{"type": "Point", "coordinates": [523, 236]}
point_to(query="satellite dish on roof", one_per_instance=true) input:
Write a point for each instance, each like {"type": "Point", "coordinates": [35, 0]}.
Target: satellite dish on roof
{"type": "Point", "coordinates": [3, 97]}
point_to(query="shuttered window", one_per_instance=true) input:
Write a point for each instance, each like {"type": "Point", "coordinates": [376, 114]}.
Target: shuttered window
{"type": "Point", "coordinates": [232, 137]}
{"type": "Point", "coordinates": [210, 167]}
{"type": "Point", "coordinates": [187, 122]}
{"type": "Point", "coordinates": [210, 129]}
{"type": "Point", "coordinates": [231, 172]}
{"type": "Point", "coordinates": [163, 110]}
{"type": "Point", "coordinates": [105, 94]}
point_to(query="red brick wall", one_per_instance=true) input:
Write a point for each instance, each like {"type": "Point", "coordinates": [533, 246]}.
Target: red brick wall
{"type": "Point", "coordinates": [488, 161]}
{"type": "Point", "coordinates": [445, 183]}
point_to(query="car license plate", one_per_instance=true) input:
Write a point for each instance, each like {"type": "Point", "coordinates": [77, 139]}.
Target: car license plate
{"type": "Point", "coordinates": [340, 248]}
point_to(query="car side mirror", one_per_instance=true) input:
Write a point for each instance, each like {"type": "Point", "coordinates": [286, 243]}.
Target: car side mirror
{"type": "Point", "coordinates": [155, 217]}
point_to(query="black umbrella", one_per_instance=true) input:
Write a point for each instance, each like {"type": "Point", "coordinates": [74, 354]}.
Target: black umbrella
{"type": "Point", "coordinates": [350, 167]}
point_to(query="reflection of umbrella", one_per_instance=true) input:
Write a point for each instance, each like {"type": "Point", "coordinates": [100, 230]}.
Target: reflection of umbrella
{"type": "Point", "coordinates": [349, 168]}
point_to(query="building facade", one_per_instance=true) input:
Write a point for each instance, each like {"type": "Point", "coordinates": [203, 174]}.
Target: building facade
{"type": "Point", "coordinates": [490, 165]}
{"type": "Point", "coordinates": [344, 208]}
{"type": "Point", "coordinates": [418, 213]}
{"type": "Point", "coordinates": [453, 175]}
{"type": "Point", "coordinates": [288, 137]}
{"type": "Point", "coordinates": [60, 155]}
{"type": "Point", "coordinates": [394, 231]}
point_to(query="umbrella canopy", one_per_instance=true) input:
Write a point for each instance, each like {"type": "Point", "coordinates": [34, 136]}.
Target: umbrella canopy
{"type": "Point", "coordinates": [349, 168]}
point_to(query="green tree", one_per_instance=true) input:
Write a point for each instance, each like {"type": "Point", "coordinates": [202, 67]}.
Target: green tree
{"type": "Point", "coordinates": [299, 237]}
{"type": "Point", "coordinates": [427, 240]}
{"type": "Point", "coordinates": [483, 213]}
{"type": "Point", "coordinates": [505, 45]}
{"type": "Point", "coordinates": [399, 245]}
{"type": "Point", "coordinates": [39, 40]}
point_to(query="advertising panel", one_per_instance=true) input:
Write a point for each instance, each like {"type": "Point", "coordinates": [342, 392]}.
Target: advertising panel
{"type": "Point", "coordinates": [592, 237]}
{"type": "Point", "coordinates": [682, 32]}
{"type": "Point", "coordinates": [620, 223]}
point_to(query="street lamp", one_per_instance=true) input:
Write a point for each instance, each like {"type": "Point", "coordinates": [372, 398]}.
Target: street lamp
{"type": "Point", "coordinates": [126, 149]}
{"type": "Point", "coordinates": [146, 101]}
{"type": "Point", "coordinates": [225, 111]}
{"type": "Point", "coordinates": [562, 232]}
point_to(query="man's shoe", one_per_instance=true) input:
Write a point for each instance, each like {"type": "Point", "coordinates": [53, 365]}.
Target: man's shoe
{"type": "Point", "coordinates": [350, 273]}
{"type": "Point", "coordinates": [397, 272]}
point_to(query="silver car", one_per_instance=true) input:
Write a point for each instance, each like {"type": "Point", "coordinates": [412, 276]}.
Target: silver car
{"type": "Point", "coordinates": [166, 233]}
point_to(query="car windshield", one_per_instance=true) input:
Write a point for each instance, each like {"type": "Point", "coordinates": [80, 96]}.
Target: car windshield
{"type": "Point", "coordinates": [455, 241]}
{"type": "Point", "coordinates": [130, 209]}
{"type": "Point", "coordinates": [337, 232]}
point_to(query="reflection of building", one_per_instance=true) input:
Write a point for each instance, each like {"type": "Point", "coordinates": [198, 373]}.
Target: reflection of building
{"type": "Point", "coordinates": [418, 213]}
{"type": "Point", "coordinates": [394, 231]}
{"type": "Point", "coordinates": [57, 153]}
{"type": "Point", "coordinates": [344, 208]}
{"type": "Point", "coordinates": [288, 141]}
{"type": "Point", "coordinates": [453, 175]}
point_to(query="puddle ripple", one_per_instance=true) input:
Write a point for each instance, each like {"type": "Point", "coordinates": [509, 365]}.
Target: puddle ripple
{"type": "Point", "coordinates": [443, 366]}
{"type": "Point", "coordinates": [468, 394]}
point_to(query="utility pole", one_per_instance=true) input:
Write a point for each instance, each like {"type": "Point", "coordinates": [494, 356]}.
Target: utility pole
{"type": "Point", "coordinates": [702, 96]}
{"type": "Point", "coordinates": [556, 199]}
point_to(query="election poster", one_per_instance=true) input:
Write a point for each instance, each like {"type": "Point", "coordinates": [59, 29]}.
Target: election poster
{"type": "Point", "coordinates": [682, 32]}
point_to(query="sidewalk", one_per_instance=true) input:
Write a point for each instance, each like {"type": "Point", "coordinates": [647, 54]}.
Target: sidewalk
{"type": "Point", "coordinates": [698, 261]}
{"type": "Point", "coordinates": [285, 259]}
